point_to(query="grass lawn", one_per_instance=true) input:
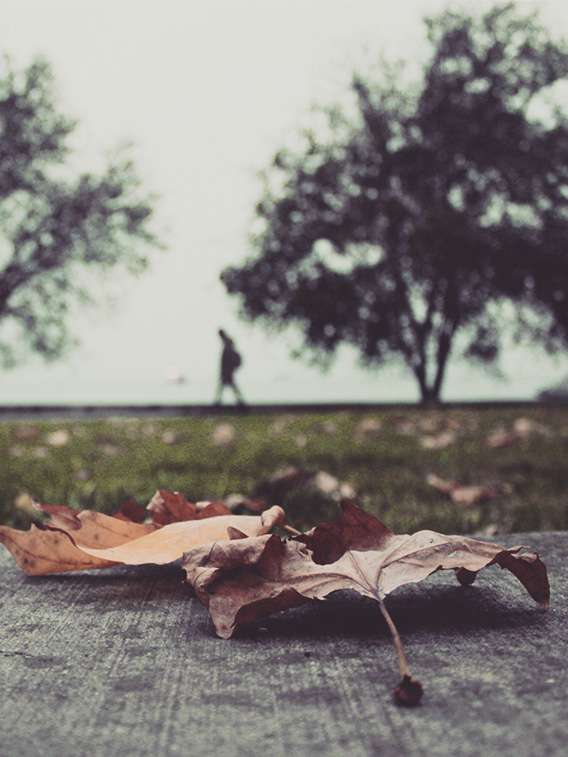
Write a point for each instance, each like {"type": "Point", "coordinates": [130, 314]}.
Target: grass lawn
{"type": "Point", "coordinates": [385, 456]}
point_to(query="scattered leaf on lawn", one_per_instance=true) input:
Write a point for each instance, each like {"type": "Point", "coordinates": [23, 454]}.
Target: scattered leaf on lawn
{"type": "Point", "coordinates": [274, 489]}
{"type": "Point", "coordinates": [502, 438]}
{"type": "Point", "coordinates": [462, 496]}
{"type": "Point", "coordinates": [439, 441]}
{"type": "Point", "coordinates": [522, 429]}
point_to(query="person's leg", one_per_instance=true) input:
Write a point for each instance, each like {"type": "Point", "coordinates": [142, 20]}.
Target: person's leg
{"type": "Point", "coordinates": [219, 394]}
{"type": "Point", "coordinates": [237, 393]}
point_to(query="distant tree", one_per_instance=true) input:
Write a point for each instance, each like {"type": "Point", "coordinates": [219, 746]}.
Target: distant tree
{"type": "Point", "coordinates": [405, 225]}
{"type": "Point", "coordinates": [56, 231]}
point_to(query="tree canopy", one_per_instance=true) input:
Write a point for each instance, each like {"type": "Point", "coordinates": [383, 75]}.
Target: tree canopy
{"type": "Point", "coordinates": [57, 231]}
{"type": "Point", "coordinates": [404, 226]}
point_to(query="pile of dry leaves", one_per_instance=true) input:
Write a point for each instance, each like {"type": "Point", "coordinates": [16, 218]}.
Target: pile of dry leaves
{"type": "Point", "coordinates": [241, 572]}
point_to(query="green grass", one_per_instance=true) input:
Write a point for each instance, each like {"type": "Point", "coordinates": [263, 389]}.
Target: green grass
{"type": "Point", "coordinates": [97, 464]}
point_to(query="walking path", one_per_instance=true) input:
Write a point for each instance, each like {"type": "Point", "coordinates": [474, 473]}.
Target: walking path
{"type": "Point", "coordinates": [126, 662]}
{"type": "Point", "coordinates": [82, 412]}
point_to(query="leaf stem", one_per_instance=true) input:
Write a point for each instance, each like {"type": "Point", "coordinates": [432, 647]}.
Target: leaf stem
{"type": "Point", "coordinates": [291, 530]}
{"type": "Point", "coordinates": [402, 665]}
{"type": "Point", "coordinates": [409, 690]}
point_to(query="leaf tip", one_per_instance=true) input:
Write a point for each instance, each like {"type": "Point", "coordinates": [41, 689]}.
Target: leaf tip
{"type": "Point", "coordinates": [274, 516]}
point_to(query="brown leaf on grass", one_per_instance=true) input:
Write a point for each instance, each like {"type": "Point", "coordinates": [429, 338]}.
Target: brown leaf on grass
{"type": "Point", "coordinates": [274, 489]}
{"type": "Point", "coordinates": [247, 578]}
{"type": "Point", "coordinates": [439, 441]}
{"type": "Point", "coordinates": [501, 438]}
{"type": "Point", "coordinates": [170, 542]}
{"type": "Point", "coordinates": [462, 496]}
{"type": "Point", "coordinates": [522, 429]}
{"type": "Point", "coordinates": [442, 484]}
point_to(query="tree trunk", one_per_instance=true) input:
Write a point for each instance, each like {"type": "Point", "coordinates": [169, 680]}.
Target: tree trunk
{"type": "Point", "coordinates": [430, 396]}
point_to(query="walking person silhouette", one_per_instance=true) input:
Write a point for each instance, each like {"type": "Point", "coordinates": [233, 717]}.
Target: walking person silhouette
{"type": "Point", "coordinates": [230, 362]}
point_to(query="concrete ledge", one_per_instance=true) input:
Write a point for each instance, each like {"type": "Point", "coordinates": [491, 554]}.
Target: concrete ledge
{"type": "Point", "coordinates": [125, 662]}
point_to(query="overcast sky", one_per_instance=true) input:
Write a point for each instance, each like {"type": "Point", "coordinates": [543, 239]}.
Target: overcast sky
{"type": "Point", "coordinates": [207, 91]}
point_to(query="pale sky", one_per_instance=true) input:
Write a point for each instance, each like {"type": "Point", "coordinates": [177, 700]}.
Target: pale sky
{"type": "Point", "coordinates": [207, 91]}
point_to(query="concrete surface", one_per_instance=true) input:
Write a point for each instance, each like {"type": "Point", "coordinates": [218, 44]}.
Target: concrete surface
{"type": "Point", "coordinates": [125, 662]}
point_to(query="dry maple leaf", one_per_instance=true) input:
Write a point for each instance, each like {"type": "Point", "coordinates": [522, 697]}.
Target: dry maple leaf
{"type": "Point", "coordinates": [56, 548]}
{"type": "Point", "coordinates": [39, 551]}
{"type": "Point", "coordinates": [80, 540]}
{"type": "Point", "coordinates": [131, 511]}
{"type": "Point", "coordinates": [170, 542]}
{"type": "Point", "coordinates": [172, 507]}
{"type": "Point", "coordinates": [247, 578]}
{"type": "Point", "coordinates": [92, 529]}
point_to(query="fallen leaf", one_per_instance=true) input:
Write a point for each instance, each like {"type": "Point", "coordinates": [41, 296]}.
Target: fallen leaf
{"type": "Point", "coordinates": [439, 441]}
{"type": "Point", "coordinates": [247, 578]}
{"type": "Point", "coordinates": [79, 540]}
{"type": "Point", "coordinates": [170, 542]}
{"type": "Point", "coordinates": [56, 548]}
{"type": "Point", "coordinates": [172, 507]}
{"type": "Point", "coordinates": [25, 433]}
{"type": "Point", "coordinates": [367, 427]}
{"type": "Point", "coordinates": [92, 529]}
{"type": "Point", "coordinates": [280, 424]}
{"type": "Point", "coordinates": [58, 438]}
{"type": "Point", "coordinates": [404, 426]}
{"type": "Point", "coordinates": [25, 503]}
{"type": "Point", "coordinates": [332, 487]}
{"type": "Point", "coordinates": [442, 484]}
{"type": "Point", "coordinates": [462, 496]}
{"type": "Point", "coordinates": [502, 438]}
{"type": "Point", "coordinates": [16, 451]}
{"type": "Point", "coordinates": [223, 434]}
{"type": "Point", "coordinates": [274, 489]}
{"type": "Point", "coordinates": [39, 453]}
{"type": "Point", "coordinates": [40, 551]}
{"type": "Point", "coordinates": [525, 427]}
{"type": "Point", "coordinates": [131, 511]}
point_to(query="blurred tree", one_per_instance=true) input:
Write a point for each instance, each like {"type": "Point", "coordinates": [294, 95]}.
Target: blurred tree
{"type": "Point", "coordinates": [405, 224]}
{"type": "Point", "coordinates": [56, 232]}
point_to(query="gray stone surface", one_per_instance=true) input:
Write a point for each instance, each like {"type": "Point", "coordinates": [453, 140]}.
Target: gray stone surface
{"type": "Point", "coordinates": [125, 662]}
